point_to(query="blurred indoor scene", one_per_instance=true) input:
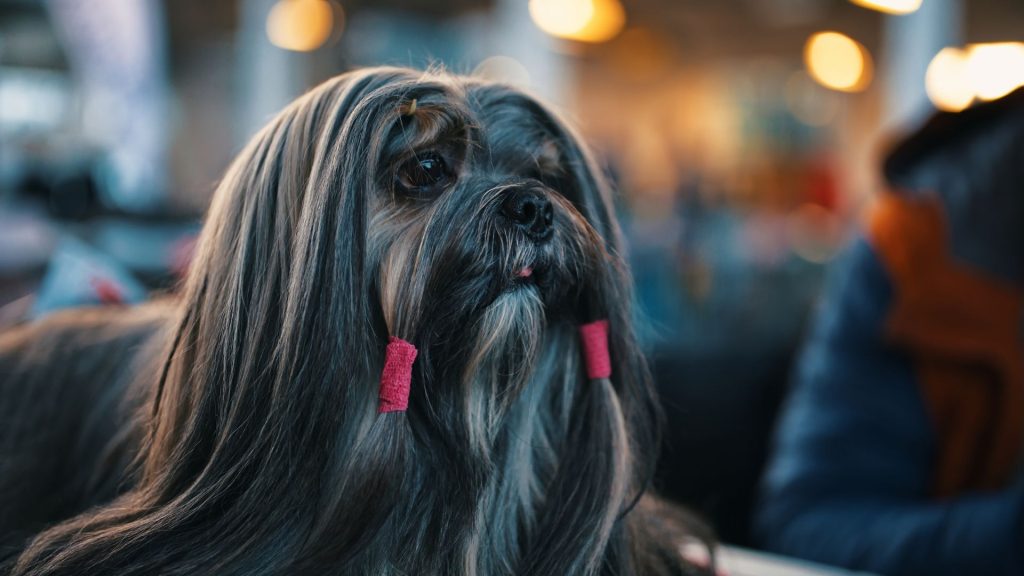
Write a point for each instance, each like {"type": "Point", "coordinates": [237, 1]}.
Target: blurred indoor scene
{"type": "Point", "coordinates": [746, 140]}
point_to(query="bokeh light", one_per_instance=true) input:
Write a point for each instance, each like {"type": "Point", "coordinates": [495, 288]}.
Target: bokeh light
{"type": "Point", "coordinates": [837, 61]}
{"type": "Point", "coordinates": [890, 6]}
{"type": "Point", "coordinates": [947, 83]}
{"type": "Point", "coordinates": [995, 69]}
{"type": "Point", "coordinates": [581, 20]}
{"type": "Point", "coordinates": [958, 76]}
{"type": "Point", "coordinates": [561, 18]}
{"type": "Point", "coordinates": [303, 25]}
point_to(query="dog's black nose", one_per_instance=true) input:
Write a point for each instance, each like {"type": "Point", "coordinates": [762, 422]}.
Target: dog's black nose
{"type": "Point", "coordinates": [531, 212]}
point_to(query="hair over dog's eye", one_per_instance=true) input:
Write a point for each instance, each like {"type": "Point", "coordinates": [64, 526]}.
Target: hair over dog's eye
{"type": "Point", "coordinates": [425, 174]}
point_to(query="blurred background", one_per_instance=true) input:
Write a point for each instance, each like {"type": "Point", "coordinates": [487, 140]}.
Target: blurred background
{"type": "Point", "coordinates": [743, 136]}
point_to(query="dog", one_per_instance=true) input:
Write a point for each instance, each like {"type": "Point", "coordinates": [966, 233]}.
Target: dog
{"type": "Point", "coordinates": [404, 346]}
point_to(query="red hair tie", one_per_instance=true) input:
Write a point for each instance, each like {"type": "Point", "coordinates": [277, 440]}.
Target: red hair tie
{"type": "Point", "coordinates": [396, 376]}
{"type": "Point", "coordinates": [595, 349]}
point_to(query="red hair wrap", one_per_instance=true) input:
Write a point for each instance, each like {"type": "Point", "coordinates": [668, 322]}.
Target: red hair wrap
{"type": "Point", "coordinates": [595, 349]}
{"type": "Point", "coordinates": [396, 376]}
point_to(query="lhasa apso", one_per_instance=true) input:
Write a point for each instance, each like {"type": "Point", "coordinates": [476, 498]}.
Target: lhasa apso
{"type": "Point", "coordinates": [404, 347]}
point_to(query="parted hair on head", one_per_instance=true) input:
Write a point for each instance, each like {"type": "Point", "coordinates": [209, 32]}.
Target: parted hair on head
{"type": "Point", "coordinates": [404, 346]}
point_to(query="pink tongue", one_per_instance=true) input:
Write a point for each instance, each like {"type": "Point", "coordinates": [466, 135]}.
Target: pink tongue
{"type": "Point", "coordinates": [525, 272]}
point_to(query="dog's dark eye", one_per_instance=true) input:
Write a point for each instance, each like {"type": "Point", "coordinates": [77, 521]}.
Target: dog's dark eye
{"type": "Point", "coordinates": [425, 174]}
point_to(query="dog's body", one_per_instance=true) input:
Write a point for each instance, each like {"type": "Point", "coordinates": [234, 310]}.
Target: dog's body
{"type": "Point", "coordinates": [235, 429]}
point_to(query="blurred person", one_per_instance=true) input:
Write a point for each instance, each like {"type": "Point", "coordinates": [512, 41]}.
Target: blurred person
{"type": "Point", "coordinates": [403, 346]}
{"type": "Point", "coordinates": [900, 449]}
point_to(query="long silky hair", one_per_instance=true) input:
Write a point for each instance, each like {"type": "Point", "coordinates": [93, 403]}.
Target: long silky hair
{"type": "Point", "coordinates": [255, 445]}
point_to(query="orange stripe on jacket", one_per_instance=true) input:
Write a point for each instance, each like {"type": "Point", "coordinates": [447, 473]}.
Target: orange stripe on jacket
{"type": "Point", "coordinates": [962, 331]}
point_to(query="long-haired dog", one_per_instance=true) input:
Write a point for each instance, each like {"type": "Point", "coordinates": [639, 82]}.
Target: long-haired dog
{"type": "Point", "coordinates": [245, 427]}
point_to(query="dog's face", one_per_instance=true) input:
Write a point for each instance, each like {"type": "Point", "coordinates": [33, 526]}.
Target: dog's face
{"type": "Point", "coordinates": [474, 206]}
{"type": "Point", "coordinates": [475, 231]}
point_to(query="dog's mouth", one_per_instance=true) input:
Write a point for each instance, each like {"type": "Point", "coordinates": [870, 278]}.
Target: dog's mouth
{"type": "Point", "coordinates": [533, 274]}
{"type": "Point", "coordinates": [539, 276]}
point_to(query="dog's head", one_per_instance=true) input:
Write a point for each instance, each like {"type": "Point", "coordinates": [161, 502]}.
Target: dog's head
{"type": "Point", "coordinates": [479, 207]}
{"type": "Point", "coordinates": [461, 216]}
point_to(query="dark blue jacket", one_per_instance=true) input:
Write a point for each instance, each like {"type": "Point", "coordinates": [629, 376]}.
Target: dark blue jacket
{"type": "Point", "coordinates": [851, 482]}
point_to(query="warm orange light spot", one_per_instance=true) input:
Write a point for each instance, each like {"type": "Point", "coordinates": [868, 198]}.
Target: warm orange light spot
{"type": "Point", "coordinates": [958, 76]}
{"type": "Point", "coordinates": [995, 69]}
{"type": "Point", "coordinates": [302, 25]}
{"type": "Point", "coordinates": [890, 6]}
{"type": "Point", "coordinates": [946, 82]}
{"type": "Point", "coordinates": [581, 20]}
{"type": "Point", "coordinates": [837, 61]}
